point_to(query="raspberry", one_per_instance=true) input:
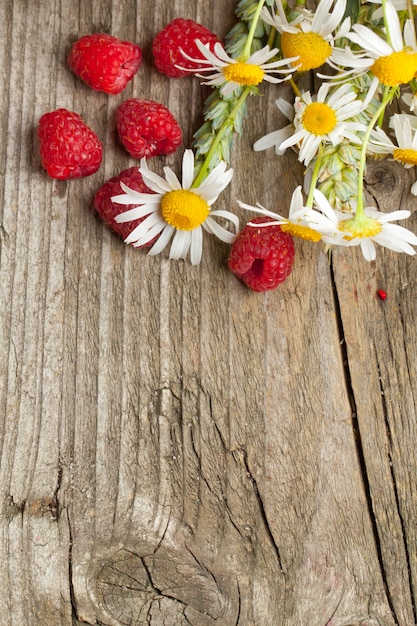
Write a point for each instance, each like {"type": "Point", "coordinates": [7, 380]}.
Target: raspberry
{"type": "Point", "coordinates": [180, 34]}
{"type": "Point", "coordinates": [262, 257]}
{"type": "Point", "coordinates": [147, 128]}
{"type": "Point", "coordinates": [104, 62]}
{"type": "Point", "coordinates": [108, 210]}
{"type": "Point", "coordinates": [68, 147]}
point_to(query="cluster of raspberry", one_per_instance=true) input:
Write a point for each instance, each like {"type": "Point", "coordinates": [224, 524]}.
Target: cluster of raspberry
{"type": "Point", "coordinates": [69, 149]}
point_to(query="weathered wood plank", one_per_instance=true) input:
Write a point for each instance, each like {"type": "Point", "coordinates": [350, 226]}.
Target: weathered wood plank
{"type": "Point", "coordinates": [381, 346]}
{"type": "Point", "coordinates": [174, 448]}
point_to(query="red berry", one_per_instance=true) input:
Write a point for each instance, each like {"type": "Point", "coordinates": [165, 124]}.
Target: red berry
{"type": "Point", "coordinates": [104, 62]}
{"type": "Point", "coordinates": [262, 256]}
{"type": "Point", "coordinates": [382, 294]}
{"type": "Point", "coordinates": [68, 147]}
{"type": "Point", "coordinates": [180, 34]}
{"type": "Point", "coordinates": [147, 128]}
{"type": "Point", "coordinates": [107, 209]}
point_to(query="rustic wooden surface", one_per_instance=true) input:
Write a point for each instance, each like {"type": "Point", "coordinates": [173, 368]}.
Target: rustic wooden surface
{"type": "Point", "coordinates": [176, 449]}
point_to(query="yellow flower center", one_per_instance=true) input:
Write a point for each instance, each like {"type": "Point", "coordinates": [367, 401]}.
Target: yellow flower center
{"type": "Point", "coordinates": [310, 47]}
{"type": "Point", "coordinates": [303, 232]}
{"type": "Point", "coordinates": [406, 157]}
{"type": "Point", "coordinates": [184, 209]}
{"type": "Point", "coordinates": [362, 227]}
{"type": "Point", "coordinates": [244, 73]}
{"type": "Point", "coordinates": [395, 69]}
{"type": "Point", "coordinates": [318, 118]}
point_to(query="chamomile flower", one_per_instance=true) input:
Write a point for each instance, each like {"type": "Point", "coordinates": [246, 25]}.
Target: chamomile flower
{"type": "Point", "coordinates": [364, 229]}
{"type": "Point", "coordinates": [177, 210]}
{"type": "Point", "coordinates": [392, 61]}
{"type": "Point", "coordinates": [309, 37]}
{"type": "Point", "coordinates": [406, 135]}
{"type": "Point", "coordinates": [405, 152]}
{"type": "Point", "coordinates": [324, 120]}
{"type": "Point", "coordinates": [296, 224]}
{"type": "Point", "coordinates": [229, 74]}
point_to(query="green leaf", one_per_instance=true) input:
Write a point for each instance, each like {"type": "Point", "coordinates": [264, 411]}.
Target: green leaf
{"type": "Point", "coordinates": [352, 10]}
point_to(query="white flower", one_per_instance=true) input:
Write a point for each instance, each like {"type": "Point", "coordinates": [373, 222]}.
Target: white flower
{"type": "Point", "coordinates": [324, 122]}
{"type": "Point", "coordinates": [229, 74]}
{"type": "Point", "coordinates": [177, 210]}
{"type": "Point", "coordinates": [405, 152]}
{"type": "Point", "coordinates": [406, 135]}
{"type": "Point", "coordinates": [392, 64]}
{"type": "Point", "coordinates": [296, 224]}
{"type": "Point", "coordinates": [309, 37]}
{"type": "Point", "coordinates": [361, 230]}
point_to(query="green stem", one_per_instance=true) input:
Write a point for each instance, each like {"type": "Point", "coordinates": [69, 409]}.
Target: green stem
{"type": "Point", "coordinates": [271, 37]}
{"type": "Point", "coordinates": [248, 45]}
{"type": "Point", "coordinates": [218, 137]}
{"type": "Point", "coordinates": [386, 99]}
{"type": "Point", "coordinates": [294, 87]}
{"type": "Point", "coordinates": [314, 177]}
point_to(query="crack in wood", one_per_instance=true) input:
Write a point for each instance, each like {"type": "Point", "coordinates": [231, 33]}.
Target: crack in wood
{"type": "Point", "coordinates": [71, 573]}
{"type": "Point", "coordinates": [396, 495]}
{"type": "Point", "coordinates": [359, 446]}
{"type": "Point", "coordinates": [262, 512]}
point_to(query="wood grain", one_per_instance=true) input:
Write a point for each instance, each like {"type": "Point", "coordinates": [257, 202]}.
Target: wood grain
{"type": "Point", "coordinates": [176, 449]}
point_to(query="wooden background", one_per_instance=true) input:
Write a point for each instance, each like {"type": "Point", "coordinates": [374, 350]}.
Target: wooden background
{"type": "Point", "coordinates": [176, 449]}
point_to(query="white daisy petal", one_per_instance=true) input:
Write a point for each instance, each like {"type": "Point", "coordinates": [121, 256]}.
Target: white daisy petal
{"type": "Point", "coordinates": [180, 244]}
{"type": "Point", "coordinates": [172, 179]}
{"type": "Point", "coordinates": [187, 169]}
{"type": "Point", "coordinates": [147, 237]}
{"type": "Point", "coordinates": [368, 249]}
{"type": "Point", "coordinates": [401, 214]}
{"type": "Point", "coordinates": [221, 53]}
{"type": "Point", "coordinates": [228, 216]}
{"type": "Point", "coordinates": [309, 148]}
{"type": "Point", "coordinates": [215, 229]}
{"type": "Point", "coordinates": [154, 181]}
{"type": "Point", "coordinates": [276, 138]}
{"type": "Point", "coordinates": [262, 211]}
{"type": "Point", "coordinates": [394, 26]}
{"type": "Point", "coordinates": [293, 140]}
{"type": "Point", "coordinates": [370, 41]}
{"type": "Point", "coordinates": [143, 228]}
{"type": "Point", "coordinates": [136, 198]}
{"type": "Point", "coordinates": [196, 246]}
{"type": "Point", "coordinates": [163, 240]}
{"type": "Point", "coordinates": [394, 230]}
{"type": "Point", "coordinates": [409, 36]}
{"type": "Point", "coordinates": [286, 108]}
{"type": "Point", "coordinates": [134, 214]}
{"type": "Point", "coordinates": [332, 22]}
{"type": "Point", "coordinates": [397, 245]}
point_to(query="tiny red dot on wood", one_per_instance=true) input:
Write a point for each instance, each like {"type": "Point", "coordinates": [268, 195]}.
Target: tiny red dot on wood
{"type": "Point", "coordinates": [382, 294]}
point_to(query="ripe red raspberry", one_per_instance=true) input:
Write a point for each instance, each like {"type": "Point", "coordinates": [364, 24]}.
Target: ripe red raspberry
{"type": "Point", "coordinates": [180, 34]}
{"type": "Point", "coordinates": [68, 147]}
{"type": "Point", "coordinates": [147, 128]}
{"type": "Point", "coordinates": [262, 257]}
{"type": "Point", "coordinates": [108, 210]}
{"type": "Point", "coordinates": [104, 62]}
